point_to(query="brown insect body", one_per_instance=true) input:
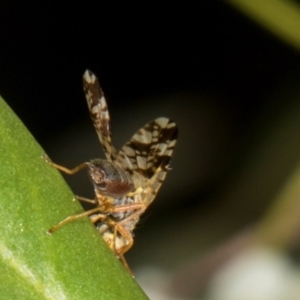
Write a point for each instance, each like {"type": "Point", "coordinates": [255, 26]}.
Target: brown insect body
{"type": "Point", "coordinates": [115, 183]}
{"type": "Point", "coordinates": [127, 182]}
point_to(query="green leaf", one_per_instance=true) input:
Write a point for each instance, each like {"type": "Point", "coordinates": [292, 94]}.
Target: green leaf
{"type": "Point", "coordinates": [72, 263]}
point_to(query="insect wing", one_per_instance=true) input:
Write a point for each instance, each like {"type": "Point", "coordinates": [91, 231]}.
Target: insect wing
{"type": "Point", "coordinates": [99, 113]}
{"type": "Point", "coordinates": [148, 154]}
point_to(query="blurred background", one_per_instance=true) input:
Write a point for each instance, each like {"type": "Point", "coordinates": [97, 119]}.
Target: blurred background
{"type": "Point", "coordinates": [228, 73]}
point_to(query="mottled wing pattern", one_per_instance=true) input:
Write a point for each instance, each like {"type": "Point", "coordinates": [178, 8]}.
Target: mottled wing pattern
{"type": "Point", "coordinates": [147, 155]}
{"type": "Point", "coordinates": [99, 113]}
{"type": "Point", "coordinates": [149, 152]}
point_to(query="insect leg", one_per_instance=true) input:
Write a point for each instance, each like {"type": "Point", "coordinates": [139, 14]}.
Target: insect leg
{"type": "Point", "coordinates": [119, 227]}
{"type": "Point", "coordinates": [72, 218]}
{"type": "Point", "coordinates": [127, 236]}
{"type": "Point", "coordinates": [97, 217]}
{"type": "Point", "coordinates": [126, 207]}
{"type": "Point", "coordinates": [83, 199]}
{"type": "Point", "coordinates": [62, 168]}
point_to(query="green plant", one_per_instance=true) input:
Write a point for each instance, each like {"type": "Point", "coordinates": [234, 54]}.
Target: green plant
{"type": "Point", "coordinates": [72, 263]}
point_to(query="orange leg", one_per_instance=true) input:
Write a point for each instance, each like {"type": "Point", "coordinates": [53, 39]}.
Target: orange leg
{"type": "Point", "coordinates": [124, 262]}
{"type": "Point", "coordinates": [83, 199]}
{"type": "Point", "coordinates": [72, 218]}
{"type": "Point", "coordinates": [127, 236]}
{"type": "Point", "coordinates": [119, 208]}
{"type": "Point", "coordinates": [101, 209]}
{"type": "Point", "coordinates": [98, 217]}
{"type": "Point", "coordinates": [125, 233]}
{"type": "Point", "coordinates": [64, 169]}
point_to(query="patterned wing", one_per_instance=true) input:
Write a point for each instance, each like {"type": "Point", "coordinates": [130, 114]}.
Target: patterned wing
{"type": "Point", "coordinates": [149, 152]}
{"type": "Point", "coordinates": [99, 113]}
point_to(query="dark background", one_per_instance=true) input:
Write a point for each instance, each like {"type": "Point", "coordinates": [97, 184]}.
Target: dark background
{"type": "Point", "coordinates": [219, 75]}
{"type": "Point", "coordinates": [137, 52]}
